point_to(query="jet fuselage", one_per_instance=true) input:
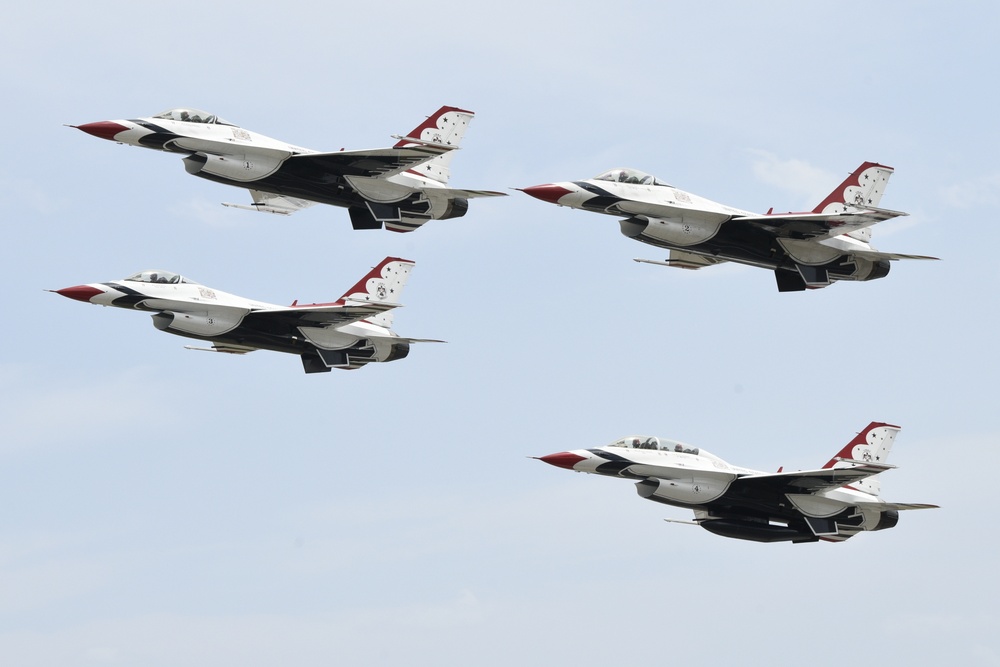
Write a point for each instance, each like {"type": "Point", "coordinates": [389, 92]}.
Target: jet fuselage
{"type": "Point", "coordinates": [400, 187]}
{"type": "Point", "coordinates": [342, 334]}
{"type": "Point", "coordinates": [832, 503]}
{"type": "Point", "coordinates": [699, 226]}
{"type": "Point", "coordinates": [252, 162]}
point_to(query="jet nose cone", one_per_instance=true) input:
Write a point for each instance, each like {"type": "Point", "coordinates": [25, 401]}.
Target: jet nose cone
{"type": "Point", "coordinates": [80, 292]}
{"type": "Point", "coordinates": [103, 129]}
{"type": "Point", "coordinates": [549, 192]}
{"type": "Point", "coordinates": [563, 459]}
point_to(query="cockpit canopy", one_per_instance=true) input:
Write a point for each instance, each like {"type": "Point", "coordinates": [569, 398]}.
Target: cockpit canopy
{"type": "Point", "coordinates": [157, 276]}
{"type": "Point", "coordinates": [191, 116]}
{"type": "Point", "coordinates": [662, 444]}
{"type": "Point", "coordinates": [629, 176]}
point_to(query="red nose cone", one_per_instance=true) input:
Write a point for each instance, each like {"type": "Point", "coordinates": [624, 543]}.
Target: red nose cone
{"type": "Point", "coordinates": [81, 292]}
{"type": "Point", "coordinates": [563, 459]}
{"type": "Point", "coordinates": [104, 129]}
{"type": "Point", "coordinates": [549, 192]}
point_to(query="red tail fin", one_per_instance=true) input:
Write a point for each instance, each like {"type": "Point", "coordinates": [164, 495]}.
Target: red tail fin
{"type": "Point", "coordinates": [871, 444]}
{"type": "Point", "coordinates": [862, 189]}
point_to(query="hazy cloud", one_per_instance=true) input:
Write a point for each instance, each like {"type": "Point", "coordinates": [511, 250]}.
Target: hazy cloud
{"type": "Point", "coordinates": [797, 177]}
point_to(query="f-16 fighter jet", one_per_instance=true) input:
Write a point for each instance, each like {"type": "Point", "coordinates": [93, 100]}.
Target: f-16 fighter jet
{"type": "Point", "coordinates": [348, 333]}
{"type": "Point", "coordinates": [805, 250]}
{"type": "Point", "coordinates": [833, 503]}
{"type": "Point", "coordinates": [402, 187]}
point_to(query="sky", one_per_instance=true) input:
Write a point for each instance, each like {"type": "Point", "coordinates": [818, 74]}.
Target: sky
{"type": "Point", "coordinates": [165, 507]}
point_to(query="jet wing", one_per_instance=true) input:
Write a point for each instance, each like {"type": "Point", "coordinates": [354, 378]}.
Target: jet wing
{"type": "Point", "coordinates": [684, 260]}
{"type": "Point", "coordinates": [227, 348]}
{"type": "Point", "coordinates": [876, 255]}
{"type": "Point", "coordinates": [810, 481]}
{"type": "Point", "coordinates": [322, 315]}
{"type": "Point", "coordinates": [820, 225]}
{"type": "Point", "coordinates": [402, 339]}
{"type": "Point", "coordinates": [453, 193]}
{"type": "Point", "coordinates": [265, 202]}
{"type": "Point", "coordinates": [900, 506]}
{"type": "Point", "coordinates": [376, 163]}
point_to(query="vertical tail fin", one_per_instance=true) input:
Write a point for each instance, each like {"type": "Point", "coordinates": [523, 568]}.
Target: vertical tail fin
{"type": "Point", "coordinates": [384, 283]}
{"type": "Point", "coordinates": [445, 126]}
{"type": "Point", "coordinates": [872, 444]}
{"type": "Point", "coordinates": [862, 189]}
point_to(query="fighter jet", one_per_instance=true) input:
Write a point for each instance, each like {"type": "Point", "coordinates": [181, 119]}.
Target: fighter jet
{"type": "Point", "coordinates": [805, 250]}
{"type": "Point", "coordinates": [832, 503]}
{"type": "Point", "coordinates": [402, 187]}
{"type": "Point", "coordinates": [347, 333]}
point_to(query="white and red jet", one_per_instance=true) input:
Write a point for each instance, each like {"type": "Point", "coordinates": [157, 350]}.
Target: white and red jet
{"type": "Point", "coordinates": [833, 503]}
{"type": "Point", "coordinates": [348, 333]}
{"type": "Point", "coordinates": [401, 187]}
{"type": "Point", "coordinates": [805, 250]}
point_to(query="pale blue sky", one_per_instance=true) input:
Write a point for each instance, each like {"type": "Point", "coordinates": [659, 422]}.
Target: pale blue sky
{"type": "Point", "coordinates": [166, 507]}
